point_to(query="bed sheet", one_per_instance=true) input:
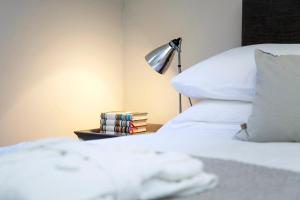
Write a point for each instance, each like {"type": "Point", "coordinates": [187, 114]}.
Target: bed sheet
{"type": "Point", "coordinates": [207, 140]}
{"type": "Point", "coordinates": [215, 141]}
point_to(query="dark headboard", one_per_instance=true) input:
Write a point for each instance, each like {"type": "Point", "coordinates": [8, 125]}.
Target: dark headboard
{"type": "Point", "coordinates": [271, 21]}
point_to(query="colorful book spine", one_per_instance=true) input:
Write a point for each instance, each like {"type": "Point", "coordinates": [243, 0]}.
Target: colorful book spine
{"type": "Point", "coordinates": [110, 122]}
{"type": "Point", "coordinates": [115, 116]}
{"type": "Point", "coordinates": [117, 129]}
{"type": "Point", "coordinates": [123, 123]}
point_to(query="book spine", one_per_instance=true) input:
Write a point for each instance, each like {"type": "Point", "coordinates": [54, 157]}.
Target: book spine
{"type": "Point", "coordinates": [118, 129]}
{"type": "Point", "coordinates": [112, 116]}
{"type": "Point", "coordinates": [110, 122]}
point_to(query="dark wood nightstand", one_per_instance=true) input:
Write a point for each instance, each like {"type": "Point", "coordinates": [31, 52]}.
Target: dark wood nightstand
{"type": "Point", "coordinates": [94, 134]}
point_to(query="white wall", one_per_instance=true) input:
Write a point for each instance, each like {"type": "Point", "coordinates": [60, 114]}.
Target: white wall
{"type": "Point", "coordinates": [61, 61]}
{"type": "Point", "coordinates": [60, 66]}
{"type": "Point", "coordinates": [207, 27]}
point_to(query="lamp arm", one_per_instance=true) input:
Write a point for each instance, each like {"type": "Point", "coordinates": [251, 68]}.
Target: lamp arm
{"type": "Point", "coordinates": [179, 71]}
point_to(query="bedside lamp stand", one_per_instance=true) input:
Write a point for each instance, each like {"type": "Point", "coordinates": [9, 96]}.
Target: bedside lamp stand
{"type": "Point", "coordinates": [160, 59]}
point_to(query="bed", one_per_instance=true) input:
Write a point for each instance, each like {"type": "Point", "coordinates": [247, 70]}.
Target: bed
{"type": "Point", "coordinates": [245, 170]}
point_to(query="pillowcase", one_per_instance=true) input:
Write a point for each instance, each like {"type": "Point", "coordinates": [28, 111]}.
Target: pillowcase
{"type": "Point", "coordinates": [213, 111]}
{"type": "Point", "coordinates": [210, 116]}
{"type": "Point", "coordinates": [228, 76]}
{"type": "Point", "coordinates": [276, 110]}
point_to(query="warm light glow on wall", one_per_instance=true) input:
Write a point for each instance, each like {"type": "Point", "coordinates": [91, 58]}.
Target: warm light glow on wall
{"type": "Point", "coordinates": [61, 65]}
{"type": "Point", "coordinates": [66, 99]}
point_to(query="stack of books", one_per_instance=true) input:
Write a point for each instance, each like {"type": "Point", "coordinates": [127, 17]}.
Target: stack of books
{"type": "Point", "coordinates": [123, 123]}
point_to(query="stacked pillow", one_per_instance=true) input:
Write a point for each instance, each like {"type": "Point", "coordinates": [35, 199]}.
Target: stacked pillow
{"type": "Point", "coordinates": [210, 116]}
{"type": "Point", "coordinates": [229, 76]}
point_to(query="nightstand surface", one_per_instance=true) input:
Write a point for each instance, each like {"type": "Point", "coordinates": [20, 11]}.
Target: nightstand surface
{"type": "Point", "coordinates": [94, 134]}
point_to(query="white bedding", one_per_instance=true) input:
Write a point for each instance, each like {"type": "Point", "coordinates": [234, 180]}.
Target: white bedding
{"type": "Point", "coordinates": [211, 140]}
{"type": "Point", "coordinates": [113, 172]}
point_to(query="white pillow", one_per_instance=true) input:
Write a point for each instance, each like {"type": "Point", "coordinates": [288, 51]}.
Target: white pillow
{"type": "Point", "coordinates": [228, 76]}
{"type": "Point", "coordinates": [211, 116]}
{"type": "Point", "coordinates": [214, 111]}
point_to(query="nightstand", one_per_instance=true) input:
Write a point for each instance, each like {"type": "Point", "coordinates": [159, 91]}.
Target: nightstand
{"type": "Point", "coordinates": [94, 134]}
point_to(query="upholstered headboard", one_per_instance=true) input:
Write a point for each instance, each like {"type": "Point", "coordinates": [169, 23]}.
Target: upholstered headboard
{"type": "Point", "coordinates": [271, 21]}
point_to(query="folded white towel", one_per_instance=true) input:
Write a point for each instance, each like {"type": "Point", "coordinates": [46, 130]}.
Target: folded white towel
{"type": "Point", "coordinates": [77, 170]}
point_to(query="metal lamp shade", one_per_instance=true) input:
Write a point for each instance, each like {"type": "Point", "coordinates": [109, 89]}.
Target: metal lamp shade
{"type": "Point", "coordinates": [160, 58]}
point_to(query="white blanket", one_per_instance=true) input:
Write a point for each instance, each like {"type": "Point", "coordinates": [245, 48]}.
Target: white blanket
{"type": "Point", "coordinates": [64, 169]}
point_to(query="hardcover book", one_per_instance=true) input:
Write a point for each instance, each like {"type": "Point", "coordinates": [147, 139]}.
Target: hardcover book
{"type": "Point", "coordinates": [120, 129]}
{"type": "Point", "coordinates": [125, 116]}
{"type": "Point", "coordinates": [110, 122]}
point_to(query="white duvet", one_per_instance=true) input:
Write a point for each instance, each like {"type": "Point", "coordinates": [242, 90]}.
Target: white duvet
{"type": "Point", "coordinates": [215, 141]}
{"type": "Point", "coordinates": [65, 169]}
{"type": "Point", "coordinates": [195, 138]}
